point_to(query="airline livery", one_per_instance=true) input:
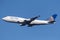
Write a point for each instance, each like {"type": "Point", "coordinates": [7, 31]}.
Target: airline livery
{"type": "Point", "coordinates": [30, 21]}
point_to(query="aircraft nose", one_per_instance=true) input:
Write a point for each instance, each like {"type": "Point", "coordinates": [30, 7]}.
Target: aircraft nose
{"type": "Point", "coordinates": [3, 18]}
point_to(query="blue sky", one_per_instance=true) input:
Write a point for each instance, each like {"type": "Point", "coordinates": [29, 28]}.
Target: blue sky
{"type": "Point", "coordinates": [28, 9]}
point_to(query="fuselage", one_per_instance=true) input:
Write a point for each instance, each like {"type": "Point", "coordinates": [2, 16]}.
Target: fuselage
{"type": "Point", "coordinates": [21, 20]}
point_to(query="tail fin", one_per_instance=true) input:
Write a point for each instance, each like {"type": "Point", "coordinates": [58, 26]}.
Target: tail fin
{"type": "Point", "coordinates": [52, 18]}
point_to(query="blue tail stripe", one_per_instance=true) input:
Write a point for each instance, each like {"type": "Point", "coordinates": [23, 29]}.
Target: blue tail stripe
{"type": "Point", "coordinates": [54, 16]}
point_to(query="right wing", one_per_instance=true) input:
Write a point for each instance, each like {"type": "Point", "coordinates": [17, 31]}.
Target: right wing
{"type": "Point", "coordinates": [31, 19]}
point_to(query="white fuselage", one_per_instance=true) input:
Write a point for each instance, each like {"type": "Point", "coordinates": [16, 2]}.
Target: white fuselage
{"type": "Point", "coordinates": [21, 20]}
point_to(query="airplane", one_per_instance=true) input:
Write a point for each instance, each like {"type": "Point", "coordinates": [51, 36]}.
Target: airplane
{"type": "Point", "coordinates": [30, 21]}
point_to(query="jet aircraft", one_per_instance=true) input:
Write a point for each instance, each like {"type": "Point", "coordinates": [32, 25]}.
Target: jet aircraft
{"type": "Point", "coordinates": [30, 21]}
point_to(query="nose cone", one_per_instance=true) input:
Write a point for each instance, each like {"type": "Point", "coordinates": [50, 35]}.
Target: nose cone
{"type": "Point", "coordinates": [4, 18]}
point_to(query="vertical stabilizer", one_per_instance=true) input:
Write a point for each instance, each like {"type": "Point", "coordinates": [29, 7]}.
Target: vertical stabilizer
{"type": "Point", "coordinates": [52, 18]}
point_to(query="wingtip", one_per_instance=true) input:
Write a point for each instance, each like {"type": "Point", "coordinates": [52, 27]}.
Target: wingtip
{"type": "Point", "coordinates": [38, 15]}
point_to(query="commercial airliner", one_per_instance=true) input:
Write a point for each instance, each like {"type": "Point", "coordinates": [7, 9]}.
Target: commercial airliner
{"type": "Point", "coordinates": [30, 21]}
